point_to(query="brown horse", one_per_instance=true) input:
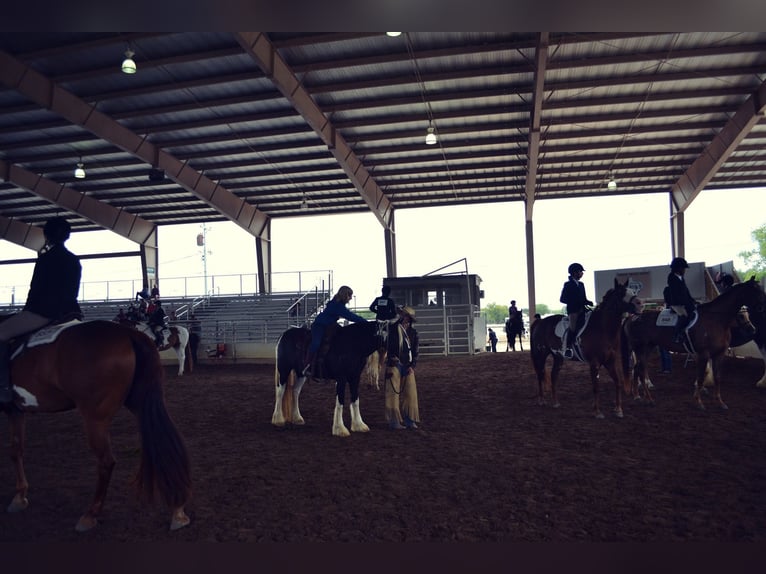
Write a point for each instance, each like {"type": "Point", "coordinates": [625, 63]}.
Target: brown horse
{"type": "Point", "coordinates": [710, 335]}
{"type": "Point", "coordinates": [96, 367]}
{"type": "Point", "coordinates": [599, 344]}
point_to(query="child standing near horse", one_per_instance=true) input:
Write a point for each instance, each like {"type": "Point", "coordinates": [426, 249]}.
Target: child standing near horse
{"type": "Point", "coordinates": [52, 295]}
{"type": "Point", "coordinates": [573, 296]}
{"type": "Point", "coordinates": [400, 374]}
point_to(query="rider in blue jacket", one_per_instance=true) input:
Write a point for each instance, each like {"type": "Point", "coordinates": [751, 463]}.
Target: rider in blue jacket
{"type": "Point", "coordinates": [334, 310]}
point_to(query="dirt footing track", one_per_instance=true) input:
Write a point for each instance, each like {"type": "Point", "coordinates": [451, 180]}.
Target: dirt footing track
{"type": "Point", "coordinates": [487, 464]}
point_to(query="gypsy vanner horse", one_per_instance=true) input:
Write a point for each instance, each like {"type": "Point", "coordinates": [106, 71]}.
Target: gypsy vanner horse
{"type": "Point", "coordinates": [710, 335]}
{"type": "Point", "coordinates": [175, 337]}
{"type": "Point", "coordinates": [344, 361]}
{"type": "Point", "coordinates": [96, 367]}
{"type": "Point", "coordinates": [598, 343]}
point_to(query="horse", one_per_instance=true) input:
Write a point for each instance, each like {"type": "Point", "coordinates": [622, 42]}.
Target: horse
{"type": "Point", "coordinates": [344, 361]}
{"type": "Point", "coordinates": [515, 328]}
{"type": "Point", "coordinates": [743, 331]}
{"type": "Point", "coordinates": [175, 337]}
{"type": "Point", "coordinates": [96, 367]}
{"type": "Point", "coordinates": [598, 343]}
{"type": "Point", "coordinates": [710, 336]}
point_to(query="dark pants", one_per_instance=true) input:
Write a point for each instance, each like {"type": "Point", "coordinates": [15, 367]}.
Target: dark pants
{"type": "Point", "coordinates": [193, 346]}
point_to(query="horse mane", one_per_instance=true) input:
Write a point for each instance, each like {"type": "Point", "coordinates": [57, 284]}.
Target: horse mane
{"type": "Point", "coordinates": [731, 293]}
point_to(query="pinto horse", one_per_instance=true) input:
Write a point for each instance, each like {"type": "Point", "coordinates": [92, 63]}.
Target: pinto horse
{"type": "Point", "coordinates": [710, 335]}
{"type": "Point", "coordinates": [599, 344]}
{"type": "Point", "coordinates": [97, 367]}
{"type": "Point", "coordinates": [344, 361]}
{"type": "Point", "coordinates": [175, 337]}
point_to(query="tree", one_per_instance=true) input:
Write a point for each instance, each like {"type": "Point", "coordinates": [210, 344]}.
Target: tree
{"type": "Point", "coordinates": [495, 314]}
{"type": "Point", "coordinates": [755, 259]}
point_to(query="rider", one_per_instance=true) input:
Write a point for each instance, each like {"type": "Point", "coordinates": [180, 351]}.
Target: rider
{"type": "Point", "coordinates": [334, 310]}
{"type": "Point", "coordinates": [52, 294]}
{"type": "Point", "coordinates": [573, 295]}
{"type": "Point", "coordinates": [158, 320]}
{"type": "Point", "coordinates": [677, 295]}
{"type": "Point", "coordinates": [384, 306]}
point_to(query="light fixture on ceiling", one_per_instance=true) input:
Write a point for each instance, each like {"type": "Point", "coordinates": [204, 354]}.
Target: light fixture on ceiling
{"type": "Point", "coordinates": [431, 138]}
{"type": "Point", "coordinates": [304, 204]}
{"type": "Point", "coordinates": [79, 171]}
{"type": "Point", "coordinates": [128, 64]}
{"type": "Point", "coordinates": [393, 34]}
{"type": "Point", "coordinates": [612, 184]}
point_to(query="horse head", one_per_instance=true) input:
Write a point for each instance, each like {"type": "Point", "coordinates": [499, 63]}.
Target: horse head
{"type": "Point", "coordinates": [621, 299]}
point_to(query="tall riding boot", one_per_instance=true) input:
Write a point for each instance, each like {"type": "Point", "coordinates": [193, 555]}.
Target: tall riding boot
{"type": "Point", "coordinates": [6, 393]}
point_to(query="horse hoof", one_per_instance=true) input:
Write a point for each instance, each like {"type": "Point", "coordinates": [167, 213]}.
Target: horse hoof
{"type": "Point", "coordinates": [179, 520]}
{"type": "Point", "coordinates": [299, 421]}
{"type": "Point", "coordinates": [724, 407]}
{"type": "Point", "coordinates": [599, 415]}
{"type": "Point", "coordinates": [18, 504]}
{"type": "Point", "coordinates": [619, 414]}
{"type": "Point", "coordinates": [556, 405]}
{"type": "Point", "coordinates": [86, 523]}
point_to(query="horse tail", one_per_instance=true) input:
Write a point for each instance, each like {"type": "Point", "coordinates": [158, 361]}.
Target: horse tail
{"type": "Point", "coordinates": [164, 458]}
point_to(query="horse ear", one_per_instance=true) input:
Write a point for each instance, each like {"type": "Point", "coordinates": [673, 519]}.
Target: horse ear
{"type": "Point", "coordinates": [616, 283]}
{"type": "Point", "coordinates": [752, 278]}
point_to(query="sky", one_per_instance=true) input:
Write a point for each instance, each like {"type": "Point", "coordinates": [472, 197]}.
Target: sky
{"type": "Point", "coordinates": [488, 239]}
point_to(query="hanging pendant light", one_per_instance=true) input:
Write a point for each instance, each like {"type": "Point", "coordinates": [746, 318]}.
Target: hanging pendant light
{"type": "Point", "coordinates": [431, 138]}
{"type": "Point", "coordinates": [612, 184]}
{"type": "Point", "coordinates": [79, 172]}
{"type": "Point", "coordinates": [128, 64]}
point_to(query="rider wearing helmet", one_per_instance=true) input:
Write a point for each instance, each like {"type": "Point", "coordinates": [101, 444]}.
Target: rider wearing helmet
{"type": "Point", "coordinates": [52, 294]}
{"type": "Point", "coordinates": [573, 295]}
{"type": "Point", "coordinates": [677, 295]}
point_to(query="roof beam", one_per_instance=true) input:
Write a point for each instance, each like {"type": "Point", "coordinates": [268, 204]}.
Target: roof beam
{"type": "Point", "coordinates": [46, 93]}
{"type": "Point", "coordinates": [120, 221]}
{"type": "Point", "coordinates": [725, 142]}
{"type": "Point", "coordinates": [533, 146]}
{"type": "Point", "coordinates": [263, 52]}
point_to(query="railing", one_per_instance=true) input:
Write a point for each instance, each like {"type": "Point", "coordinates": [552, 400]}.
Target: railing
{"type": "Point", "coordinates": [187, 287]}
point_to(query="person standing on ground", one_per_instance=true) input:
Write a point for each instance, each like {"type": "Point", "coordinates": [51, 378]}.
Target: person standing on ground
{"type": "Point", "coordinates": [400, 374]}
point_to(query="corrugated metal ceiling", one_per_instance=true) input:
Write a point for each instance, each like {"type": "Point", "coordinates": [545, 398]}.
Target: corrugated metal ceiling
{"type": "Point", "coordinates": [639, 107]}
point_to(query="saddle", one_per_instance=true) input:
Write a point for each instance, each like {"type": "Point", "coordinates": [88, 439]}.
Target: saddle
{"type": "Point", "coordinates": [563, 326]}
{"type": "Point", "coordinates": [41, 336]}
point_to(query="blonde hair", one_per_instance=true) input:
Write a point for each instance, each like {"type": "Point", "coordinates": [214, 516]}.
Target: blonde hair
{"type": "Point", "coordinates": [345, 292]}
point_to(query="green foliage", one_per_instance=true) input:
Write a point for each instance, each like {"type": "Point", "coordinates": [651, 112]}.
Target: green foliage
{"type": "Point", "coordinates": [495, 314]}
{"type": "Point", "coordinates": [755, 259]}
{"type": "Point", "coordinates": [543, 309]}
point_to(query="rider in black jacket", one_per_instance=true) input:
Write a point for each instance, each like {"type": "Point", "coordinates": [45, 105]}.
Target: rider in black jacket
{"type": "Point", "coordinates": [52, 295]}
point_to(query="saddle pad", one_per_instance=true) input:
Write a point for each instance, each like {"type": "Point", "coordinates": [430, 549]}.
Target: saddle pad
{"type": "Point", "coordinates": [563, 325]}
{"type": "Point", "coordinates": [48, 334]}
{"type": "Point", "coordinates": [44, 336]}
{"type": "Point", "coordinates": [667, 318]}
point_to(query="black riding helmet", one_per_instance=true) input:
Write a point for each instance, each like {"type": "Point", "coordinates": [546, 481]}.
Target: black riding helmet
{"type": "Point", "coordinates": [678, 263]}
{"type": "Point", "coordinates": [57, 230]}
{"type": "Point", "coordinates": [575, 267]}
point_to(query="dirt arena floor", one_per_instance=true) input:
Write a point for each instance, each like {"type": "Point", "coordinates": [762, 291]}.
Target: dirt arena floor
{"type": "Point", "coordinates": [487, 464]}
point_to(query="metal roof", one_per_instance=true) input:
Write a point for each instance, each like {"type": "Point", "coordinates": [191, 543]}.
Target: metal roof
{"type": "Point", "coordinates": [250, 126]}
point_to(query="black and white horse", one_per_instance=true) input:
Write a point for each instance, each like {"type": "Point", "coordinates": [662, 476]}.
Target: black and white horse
{"type": "Point", "coordinates": [344, 361]}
